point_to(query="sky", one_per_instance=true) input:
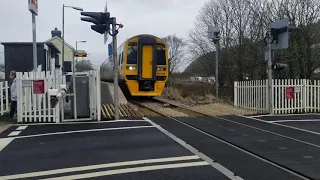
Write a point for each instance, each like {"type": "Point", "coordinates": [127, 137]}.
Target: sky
{"type": "Point", "coordinates": [159, 18]}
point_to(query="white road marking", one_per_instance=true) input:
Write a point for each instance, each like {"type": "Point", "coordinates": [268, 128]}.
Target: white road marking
{"type": "Point", "coordinates": [14, 133]}
{"type": "Point", "coordinates": [279, 115]}
{"type": "Point", "coordinates": [308, 157]}
{"type": "Point", "coordinates": [300, 120]}
{"type": "Point", "coordinates": [21, 128]}
{"type": "Point", "coordinates": [99, 166]}
{"type": "Point", "coordinates": [91, 122]}
{"type": "Point", "coordinates": [312, 132]}
{"type": "Point", "coordinates": [88, 130]}
{"type": "Point", "coordinates": [129, 170]}
{"type": "Point", "coordinates": [216, 165]}
{"type": "Point", "coordinates": [4, 142]}
{"type": "Point", "coordinates": [210, 161]}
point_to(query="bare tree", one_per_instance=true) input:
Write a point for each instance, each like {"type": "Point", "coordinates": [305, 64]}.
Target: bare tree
{"type": "Point", "coordinates": [84, 65]}
{"type": "Point", "coordinates": [242, 35]}
{"type": "Point", "coordinates": [301, 57]}
{"type": "Point", "coordinates": [176, 53]}
{"type": "Point", "coordinates": [243, 26]}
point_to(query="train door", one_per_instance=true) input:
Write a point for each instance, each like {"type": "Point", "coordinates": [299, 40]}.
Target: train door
{"type": "Point", "coordinates": [147, 55]}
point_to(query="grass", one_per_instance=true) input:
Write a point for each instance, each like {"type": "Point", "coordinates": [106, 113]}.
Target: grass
{"type": "Point", "coordinates": [4, 119]}
{"type": "Point", "coordinates": [192, 94]}
{"type": "Point", "coordinates": [195, 93]}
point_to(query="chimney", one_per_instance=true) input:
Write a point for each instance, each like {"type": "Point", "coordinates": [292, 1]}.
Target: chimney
{"type": "Point", "coordinates": [56, 32]}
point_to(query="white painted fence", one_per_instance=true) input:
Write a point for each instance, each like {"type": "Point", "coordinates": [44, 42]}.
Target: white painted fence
{"type": "Point", "coordinates": [253, 96]}
{"type": "Point", "coordinates": [5, 98]}
{"type": "Point", "coordinates": [33, 107]}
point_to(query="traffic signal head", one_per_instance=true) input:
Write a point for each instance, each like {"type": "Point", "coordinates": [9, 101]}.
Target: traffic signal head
{"type": "Point", "coordinates": [101, 20]}
{"type": "Point", "coordinates": [279, 66]}
{"type": "Point", "coordinates": [280, 30]}
{"type": "Point", "coordinates": [213, 33]}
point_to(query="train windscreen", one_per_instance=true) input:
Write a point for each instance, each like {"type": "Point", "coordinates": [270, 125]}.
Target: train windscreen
{"type": "Point", "coordinates": [161, 55]}
{"type": "Point", "coordinates": [132, 55]}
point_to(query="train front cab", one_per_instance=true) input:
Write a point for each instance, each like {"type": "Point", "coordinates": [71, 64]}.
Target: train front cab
{"type": "Point", "coordinates": [146, 70]}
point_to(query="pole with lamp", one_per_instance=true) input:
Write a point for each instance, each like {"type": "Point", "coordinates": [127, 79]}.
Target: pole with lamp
{"type": "Point", "coordinates": [63, 42]}
{"type": "Point", "coordinates": [63, 68]}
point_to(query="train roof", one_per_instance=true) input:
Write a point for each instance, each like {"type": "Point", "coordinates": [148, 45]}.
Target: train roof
{"type": "Point", "coordinates": [144, 35]}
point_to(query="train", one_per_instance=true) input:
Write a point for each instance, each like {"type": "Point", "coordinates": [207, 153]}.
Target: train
{"type": "Point", "coordinates": [143, 66]}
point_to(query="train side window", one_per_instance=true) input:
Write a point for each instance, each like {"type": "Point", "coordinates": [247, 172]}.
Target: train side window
{"type": "Point", "coordinates": [161, 57]}
{"type": "Point", "coordinates": [121, 57]}
{"type": "Point", "coordinates": [132, 55]}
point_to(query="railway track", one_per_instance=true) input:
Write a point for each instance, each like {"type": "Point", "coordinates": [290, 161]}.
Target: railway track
{"type": "Point", "coordinates": [154, 104]}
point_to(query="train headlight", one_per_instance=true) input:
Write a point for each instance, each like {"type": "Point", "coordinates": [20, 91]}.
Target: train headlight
{"type": "Point", "coordinates": [131, 68]}
{"type": "Point", "coordinates": [161, 69]}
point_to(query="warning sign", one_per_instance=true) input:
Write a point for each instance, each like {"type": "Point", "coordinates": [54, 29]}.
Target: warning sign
{"type": "Point", "coordinates": [289, 92]}
{"type": "Point", "coordinates": [38, 87]}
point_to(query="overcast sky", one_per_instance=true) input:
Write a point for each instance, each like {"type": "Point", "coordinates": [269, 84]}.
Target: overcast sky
{"type": "Point", "coordinates": [159, 18]}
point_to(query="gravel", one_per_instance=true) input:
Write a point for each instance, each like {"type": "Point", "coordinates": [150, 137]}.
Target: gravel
{"type": "Point", "coordinates": [214, 109]}
{"type": "Point", "coordinates": [174, 102]}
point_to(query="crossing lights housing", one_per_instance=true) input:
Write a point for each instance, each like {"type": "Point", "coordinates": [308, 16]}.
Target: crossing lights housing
{"type": "Point", "coordinates": [101, 20]}
{"type": "Point", "coordinates": [279, 66]}
{"type": "Point", "coordinates": [213, 33]}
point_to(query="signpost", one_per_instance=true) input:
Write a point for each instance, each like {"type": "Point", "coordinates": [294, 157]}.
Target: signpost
{"type": "Point", "coordinates": [109, 49]}
{"type": "Point", "coordinates": [26, 83]}
{"type": "Point", "coordinates": [290, 92]}
{"type": "Point", "coordinates": [33, 8]}
{"type": "Point", "coordinates": [79, 53]}
{"type": "Point", "coordinates": [38, 87]}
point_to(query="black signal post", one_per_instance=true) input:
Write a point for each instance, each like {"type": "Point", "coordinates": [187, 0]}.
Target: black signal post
{"type": "Point", "coordinates": [102, 22]}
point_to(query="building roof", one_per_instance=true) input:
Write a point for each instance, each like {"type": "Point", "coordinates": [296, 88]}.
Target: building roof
{"type": "Point", "coordinates": [19, 43]}
{"type": "Point", "coordinates": [45, 42]}
{"type": "Point", "coordinates": [56, 37]}
{"type": "Point", "coordinates": [52, 46]}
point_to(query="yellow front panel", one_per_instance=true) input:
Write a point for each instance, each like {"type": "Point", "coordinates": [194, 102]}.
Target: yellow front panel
{"type": "Point", "coordinates": [147, 52]}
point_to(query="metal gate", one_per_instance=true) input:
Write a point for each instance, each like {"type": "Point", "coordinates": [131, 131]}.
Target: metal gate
{"type": "Point", "coordinates": [82, 102]}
